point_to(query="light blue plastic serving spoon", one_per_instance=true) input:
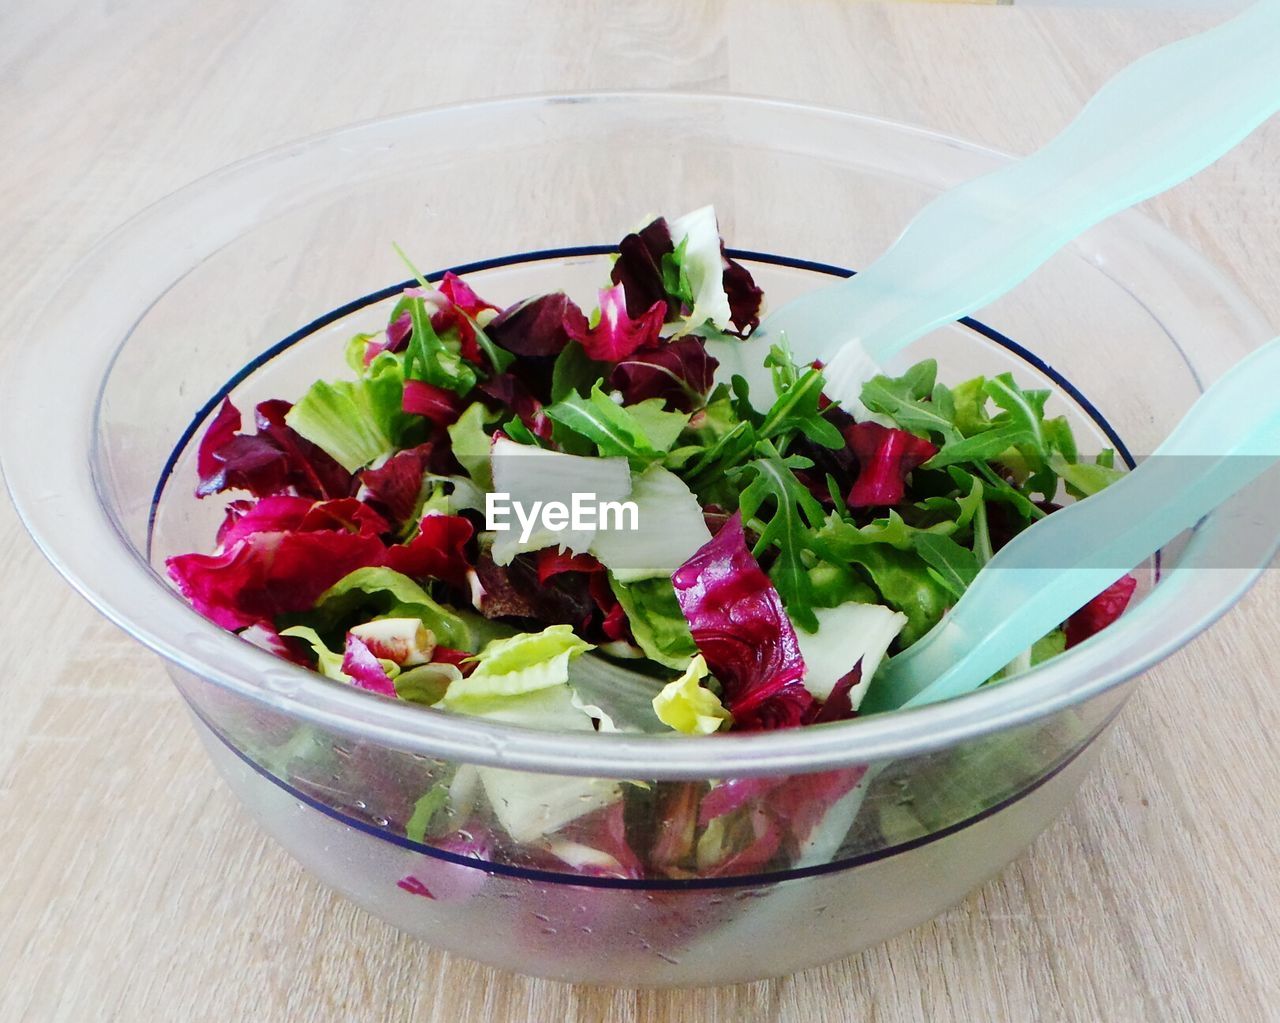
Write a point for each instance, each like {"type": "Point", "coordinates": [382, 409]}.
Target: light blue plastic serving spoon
{"type": "Point", "coordinates": [1156, 123]}
{"type": "Point", "coordinates": [1228, 438]}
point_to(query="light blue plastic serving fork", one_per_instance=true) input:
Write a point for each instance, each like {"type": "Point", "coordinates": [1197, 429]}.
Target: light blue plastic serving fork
{"type": "Point", "coordinates": [1156, 123]}
{"type": "Point", "coordinates": [1228, 438]}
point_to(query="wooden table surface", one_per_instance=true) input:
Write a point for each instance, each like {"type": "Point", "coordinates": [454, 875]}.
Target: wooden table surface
{"type": "Point", "coordinates": [133, 888]}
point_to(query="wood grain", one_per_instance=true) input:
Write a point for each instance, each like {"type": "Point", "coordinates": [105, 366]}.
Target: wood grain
{"type": "Point", "coordinates": [131, 886]}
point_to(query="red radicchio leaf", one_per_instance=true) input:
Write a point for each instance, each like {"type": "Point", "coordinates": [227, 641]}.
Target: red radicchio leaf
{"type": "Point", "coordinates": [838, 706]}
{"type": "Point", "coordinates": [733, 795]}
{"type": "Point", "coordinates": [225, 425]}
{"type": "Point", "coordinates": [459, 292]}
{"type": "Point", "coordinates": [438, 551]}
{"type": "Point", "coordinates": [286, 514]}
{"type": "Point", "coordinates": [740, 627]}
{"type": "Point", "coordinates": [756, 852]}
{"type": "Point", "coordinates": [414, 887]}
{"type": "Point", "coordinates": [265, 637]}
{"type": "Point", "coordinates": [615, 625]}
{"type": "Point", "coordinates": [1101, 611]}
{"type": "Point", "coordinates": [638, 268]}
{"type": "Point", "coordinates": [268, 574]}
{"type": "Point", "coordinates": [441, 406]}
{"type": "Point", "coordinates": [365, 669]}
{"type": "Point", "coordinates": [447, 881]}
{"type": "Point", "coordinates": [397, 484]}
{"type": "Point", "coordinates": [783, 811]}
{"type": "Point", "coordinates": [510, 393]}
{"type": "Point", "coordinates": [393, 339]}
{"type": "Point", "coordinates": [228, 532]}
{"type": "Point", "coordinates": [275, 460]}
{"type": "Point", "coordinates": [745, 296]}
{"type": "Point", "coordinates": [513, 591]}
{"type": "Point", "coordinates": [262, 574]}
{"type": "Point", "coordinates": [605, 830]}
{"type": "Point", "coordinates": [885, 457]}
{"type": "Point", "coordinates": [461, 300]}
{"type": "Point", "coordinates": [680, 373]}
{"type": "Point", "coordinates": [552, 561]}
{"type": "Point", "coordinates": [346, 513]}
{"type": "Point", "coordinates": [460, 659]}
{"type": "Point", "coordinates": [538, 326]}
{"type": "Point", "coordinates": [618, 334]}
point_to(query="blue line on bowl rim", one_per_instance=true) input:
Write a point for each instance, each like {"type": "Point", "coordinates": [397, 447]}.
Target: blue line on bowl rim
{"type": "Point", "coordinates": [658, 884]}
{"type": "Point", "coordinates": [572, 251]}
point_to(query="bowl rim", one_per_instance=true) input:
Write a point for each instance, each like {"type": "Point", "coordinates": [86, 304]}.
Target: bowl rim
{"type": "Point", "coordinates": [96, 557]}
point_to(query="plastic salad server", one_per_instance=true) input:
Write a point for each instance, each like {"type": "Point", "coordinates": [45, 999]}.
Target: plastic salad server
{"type": "Point", "coordinates": [1228, 438]}
{"type": "Point", "coordinates": [1155, 124]}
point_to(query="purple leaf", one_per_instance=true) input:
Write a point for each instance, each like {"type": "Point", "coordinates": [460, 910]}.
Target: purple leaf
{"type": "Point", "coordinates": [680, 372]}
{"type": "Point", "coordinates": [538, 326]}
{"type": "Point", "coordinates": [740, 627]}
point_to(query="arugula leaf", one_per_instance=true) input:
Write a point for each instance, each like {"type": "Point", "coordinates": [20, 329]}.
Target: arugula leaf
{"type": "Point", "coordinates": [950, 564]}
{"type": "Point", "coordinates": [960, 509]}
{"type": "Point", "coordinates": [521, 434]}
{"type": "Point", "coordinates": [998, 489]}
{"type": "Point", "coordinates": [470, 444]}
{"type": "Point", "coordinates": [1023, 408]}
{"type": "Point", "coordinates": [796, 514]}
{"type": "Point", "coordinates": [428, 357]}
{"type": "Point", "coordinates": [796, 409]}
{"type": "Point", "coordinates": [662, 428]}
{"type": "Point", "coordinates": [970, 402]}
{"type": "Point", "coordinates": [574, 372]}
{"type": "Point", "coordinates": [981, 447]}
{"type": "Point", "coordinates": [908, 401]}
{"type": "Point", "coordinates": [838, 539]}
{"type": "Point", "coordinates": [641, 433]}
{"type": "Point", "coordinates": [1083, 479]}
{"type": "Point", "coordinates": [782, 366]}
{"type": "Point", "coordinates": [1058, 437]}
{"type": "Point", "coordinates": [709, 473]}
{"type": "Point", "coordinates": [499, 358]}
{"type": "Point", "coordinates": [982, 535]}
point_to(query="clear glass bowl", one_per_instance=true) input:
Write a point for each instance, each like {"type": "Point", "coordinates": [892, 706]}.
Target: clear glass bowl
{"type": "Point", "coordinates": [190, 301]}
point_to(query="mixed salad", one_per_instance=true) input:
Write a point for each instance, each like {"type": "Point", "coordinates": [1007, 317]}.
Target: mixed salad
{"type": "Point", "coordinates": [776, 549]}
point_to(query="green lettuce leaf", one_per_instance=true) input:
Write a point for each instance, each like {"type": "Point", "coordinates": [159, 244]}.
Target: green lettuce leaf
{"type": "Point", "coordinates": [514, 667]}
{"type": "Point", "coordinates": [793, 514]}
{"type": "Point", "coordinates": [356, 421]}
{"type": "Point", "coordinates": [328, 663]}
{"type": "Point", "coordinates": [642, 433]}
{"type": "Point", "coordinates": [657, 623]}
{"type": "Point", "coordinates": [470, 444]}
{"type": "Point", "coordinates": [380, 592]}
